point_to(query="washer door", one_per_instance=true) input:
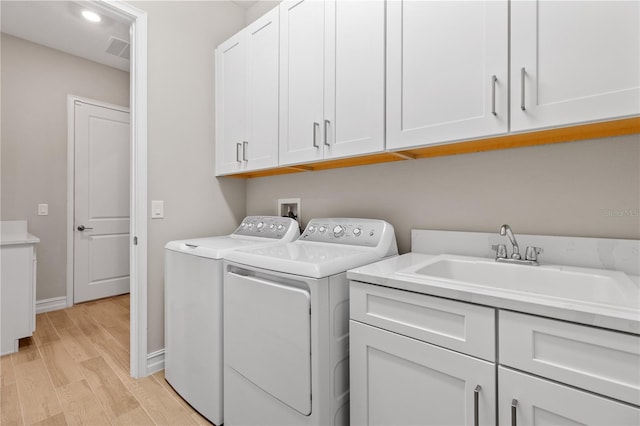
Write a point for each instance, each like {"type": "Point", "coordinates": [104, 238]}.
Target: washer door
{"type": "Point", "coordinates": [267, 337]}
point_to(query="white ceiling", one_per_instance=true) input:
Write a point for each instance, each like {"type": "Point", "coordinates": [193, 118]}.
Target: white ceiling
{"type": "Point", "coordinates": [60, 25]}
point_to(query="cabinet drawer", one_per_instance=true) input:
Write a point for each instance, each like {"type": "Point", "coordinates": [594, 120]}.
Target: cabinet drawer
{"type": "Point", "coordinates": [601, 361]}
{"type": "Point", "coordinates": [459, 326]}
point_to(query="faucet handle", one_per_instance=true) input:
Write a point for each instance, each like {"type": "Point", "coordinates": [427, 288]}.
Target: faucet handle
{"type": "Point", "coordinates": [501, 251]}
{"type": "Point", "coordinates": [531, 253]}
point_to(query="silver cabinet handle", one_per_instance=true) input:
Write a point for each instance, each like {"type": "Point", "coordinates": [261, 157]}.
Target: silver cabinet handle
{"type": "Point", "coordinates": [315, 134]}
{"type": "Point", "coordinates": [245, 147]}
{"type": "Point", "coordinates": [523, 73]}
{"type": "Point", "coordinates": [82, 228]}
{"type": "Point", "coordinates": [476, 409]}
{"type": "Point", "coordinates": [493, 94]}
{"type": "Point", "coordinates": [514, 405]}
{"type": "Point", "coordinates": [238, 148]}
{"type": "Point", "coordinates": [326, 130]}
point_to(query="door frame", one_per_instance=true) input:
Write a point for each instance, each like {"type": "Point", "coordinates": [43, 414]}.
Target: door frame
{"type": "Point", "coordinates": [138, 189]}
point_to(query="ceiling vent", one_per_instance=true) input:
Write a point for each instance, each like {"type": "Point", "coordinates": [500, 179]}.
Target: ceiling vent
{"type": "Point", "coordinates": [118, 47]}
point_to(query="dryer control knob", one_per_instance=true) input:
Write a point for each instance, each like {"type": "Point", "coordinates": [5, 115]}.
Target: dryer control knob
{"type": "Point", "coordinates": [338, 231]}
{"type": "Point", "coordinates": [260, 226]}
{"type": "Point", "coordinates": [357, 232]}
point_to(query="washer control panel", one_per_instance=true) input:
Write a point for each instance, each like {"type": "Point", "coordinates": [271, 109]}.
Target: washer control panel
{"type": "Point", "coordinates": [356, 232]}
{"type": "Point", "coordinates": [275, 227]}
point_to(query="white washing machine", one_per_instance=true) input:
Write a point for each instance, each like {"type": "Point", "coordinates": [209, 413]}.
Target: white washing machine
{"type": "Point", "coordinates": [286, 323]}
{"type": "Point", "coordinates": [193, 308]}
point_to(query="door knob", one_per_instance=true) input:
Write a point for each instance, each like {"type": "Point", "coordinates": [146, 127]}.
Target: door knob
{"type": "Point", "coordinates": [82, 228]}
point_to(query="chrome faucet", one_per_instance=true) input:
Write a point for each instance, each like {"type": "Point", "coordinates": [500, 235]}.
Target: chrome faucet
{"type": "Point", "coordinates": [506, 230]}
{"type": "Point", "coordinates": [531, 253]}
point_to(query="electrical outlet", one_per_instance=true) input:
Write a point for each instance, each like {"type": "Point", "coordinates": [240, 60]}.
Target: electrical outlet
{"type": "Point", "coordinates": [289, 207]}
{"type": "Point", "coordinates": [43, 209]}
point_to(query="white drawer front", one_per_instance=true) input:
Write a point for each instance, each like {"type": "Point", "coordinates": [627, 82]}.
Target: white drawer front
{"type": "Point", "coordinates": [602, 361]}
{"type": "Point", "coordinates": [459, 326]}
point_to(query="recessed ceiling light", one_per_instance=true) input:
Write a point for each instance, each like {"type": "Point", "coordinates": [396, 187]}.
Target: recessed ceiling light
{"type": "Point", "coordinates": [91, 16]}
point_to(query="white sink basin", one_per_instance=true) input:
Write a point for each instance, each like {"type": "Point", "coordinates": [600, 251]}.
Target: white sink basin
{"type": "Point", "coordinates": [595, 286]}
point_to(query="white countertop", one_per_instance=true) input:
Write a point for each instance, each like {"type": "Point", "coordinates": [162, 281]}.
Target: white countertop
{"type": "Point", "coordinates": [384, 273]}
{"type": "Point", "coordinates": [14, 232]}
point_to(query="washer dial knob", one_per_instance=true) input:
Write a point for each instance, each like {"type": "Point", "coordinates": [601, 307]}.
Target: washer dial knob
{"type": "Point", "coordinates": [338, 231]}
{"type": "Point", "coordinates": [357, 232]}
{"type": "Point", "coordinates": [260, 226]}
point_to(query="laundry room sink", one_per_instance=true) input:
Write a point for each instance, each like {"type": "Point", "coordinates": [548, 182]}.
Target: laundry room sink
{"type": "Point", "coordinates": [582, 285]}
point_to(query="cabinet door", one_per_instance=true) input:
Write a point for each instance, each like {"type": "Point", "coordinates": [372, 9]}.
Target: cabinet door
{"type": "Point", "coordinates": [262, 46]}
{"type": "Point", "coordinates": [442, 57]}
{"type": "Point", "coordinates": [573, 62]}
{"type": "Point", "coordinates": [301, 80]}
{"type": "Point", "coordinates": [230, 104]}
{"type": "Point", "coordinates": [542, 402]}
{"type": "Point", "coordinates": [354, 78]}
{"type": "Point", "coordinates": [396, 380]}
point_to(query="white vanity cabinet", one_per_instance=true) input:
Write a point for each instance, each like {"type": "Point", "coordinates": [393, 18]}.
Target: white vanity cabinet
{"type": "Point", "coordinates": [418, 359]}
{"type": "Point", "coordinates": [17, 285]}
{"type": "Point", "coordinates": [587, 362]}
{"type": "Point", "coordinates": [403, 371]}
{"type": "Point", "coordinates": [331, 79]}
{"type": "Point", "coordinates": [529, 400]}
{"type": "Point", "coordinates": [573, 62]}
{"type": "Point", "coordinates": [247, 98]}
{"type": "Point", "coordinates": [447, 71]}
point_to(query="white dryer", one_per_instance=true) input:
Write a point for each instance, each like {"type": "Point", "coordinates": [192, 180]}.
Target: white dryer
{"type": "Point", "coordinates": [193, 307]}
{"type": "Point", "coordinates": [286, 323]}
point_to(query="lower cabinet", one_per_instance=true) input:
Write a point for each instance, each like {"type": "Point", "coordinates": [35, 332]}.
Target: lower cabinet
{"type": "Point", "coordinates": [397, 380]}
{"type": "Point", "coordinates": [408, 367]}
{"type": "Point", "coordinates": [17, 295]}
{"type": "Point", "coordinates": [529, 400]}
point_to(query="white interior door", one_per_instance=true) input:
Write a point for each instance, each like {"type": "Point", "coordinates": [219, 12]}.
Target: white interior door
{"type": "Point", "coordinates": [101, 207]}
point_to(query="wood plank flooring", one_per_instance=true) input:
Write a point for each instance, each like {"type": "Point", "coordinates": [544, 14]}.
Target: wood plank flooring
{"type": "Point", "coordinates": [75, 371]}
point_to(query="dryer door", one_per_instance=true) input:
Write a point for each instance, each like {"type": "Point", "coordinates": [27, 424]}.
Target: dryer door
{"type": "Point", "coordinates": [267, 337]}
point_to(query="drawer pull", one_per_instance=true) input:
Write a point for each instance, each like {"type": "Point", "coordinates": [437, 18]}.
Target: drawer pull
{"type": "Point", "coordinates": [514, 405]}
{"type": "Point", "coordinates": [476, 409]}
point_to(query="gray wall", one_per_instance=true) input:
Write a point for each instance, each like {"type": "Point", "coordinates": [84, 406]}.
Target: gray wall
{"type": "Point", "coordinates": [35, 83]}
{"type": "Point", "coordinates": [182, 37]}
{"type": "Point", "coordinates": [259, 9]}
{"type": "Point", "coordinates": [573, 189]}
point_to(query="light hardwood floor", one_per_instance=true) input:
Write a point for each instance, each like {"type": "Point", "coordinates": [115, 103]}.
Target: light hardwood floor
{"type": "Point", "coordinates": [75, 371]}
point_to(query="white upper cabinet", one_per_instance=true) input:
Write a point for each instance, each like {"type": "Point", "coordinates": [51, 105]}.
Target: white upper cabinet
{"type": "Point", "coordinates": [447, 71]}
{"type": "Point", "coordinates": [247, 98]}
{"type": "Point", "coordinates": [230, 104]}
{"type": "Point", "coordinates": [331, 79]}
{"type": "Point", "coordinates": [573, 62]}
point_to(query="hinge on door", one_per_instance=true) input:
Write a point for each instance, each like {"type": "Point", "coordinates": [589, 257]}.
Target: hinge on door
{"type": "Point", "coordinates": [135, 241]}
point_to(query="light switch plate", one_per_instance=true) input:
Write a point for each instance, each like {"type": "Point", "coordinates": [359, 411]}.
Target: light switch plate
{"type": "Point", "coordinates": [157, 209]}
{"type": "Point", "coordinates": [43, 209]}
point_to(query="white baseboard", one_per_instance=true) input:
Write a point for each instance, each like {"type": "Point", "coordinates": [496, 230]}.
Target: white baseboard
{"type": "Point", "coordinates": [53, 304]}
{"type": "Point", "coordinates": [155, 361]}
